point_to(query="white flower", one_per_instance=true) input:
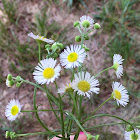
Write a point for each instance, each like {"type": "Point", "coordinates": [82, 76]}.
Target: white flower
{"type": "Point", "coordinates": [120, 94]}
{"type": "Point", "coordinates": [84, 84]}
{"type": "Point", "coordinates": [86, 21]}
{"type": "Point", "coordinates": [65, 88]}
{"type": "Point", "coordinates": [46, 71]}
{"type": "Point", "coordinates": [8, 83]}
{"type": "Point", "coordinates": [129, 135]}
{"type": "Point", "coordinates": [40, 38]}
{"type": "Point", "coordinates": [72, 56]}
{"type": "Point", "coordinates": [12, 110]}
{"type": "Point", "coordinates": [117, 65]}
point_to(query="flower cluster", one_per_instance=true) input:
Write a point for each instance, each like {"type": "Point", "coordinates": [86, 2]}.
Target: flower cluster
{"type": "Point", "coordinates": [72, 57]}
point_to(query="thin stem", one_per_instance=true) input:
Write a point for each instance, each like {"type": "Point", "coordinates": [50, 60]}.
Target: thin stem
{"type": "Point", "coordinates": [101, 115]}
{"type": "Point", "coordinates": [51, 104]}
{"type": "Point", "coordinates": [82, 39]}
{"type": "Point", "coordinates": [40, 110]}
{"type": "Point", "coordinates": [56, 84]}
{"type": "Point", "coordinates": [103, 71]}
{"type": "Point", "coordinates": [73, 72]}
{"type": "Point", "coordinates": [38, 133]}
{"type": "Point", "coordinates": [100, 106]}
{"type": "Point", "coordinates": [39, 50]}
{"type": "Point", "coordinates": [62, 120]}
{"type": "Point", "coordinates": [35, 108]}
{"type": "Point", "coordinates": [89, 31]}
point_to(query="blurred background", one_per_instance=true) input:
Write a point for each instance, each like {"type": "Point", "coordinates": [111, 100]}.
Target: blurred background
{"type": "Point", "coordinates": [120, 33]}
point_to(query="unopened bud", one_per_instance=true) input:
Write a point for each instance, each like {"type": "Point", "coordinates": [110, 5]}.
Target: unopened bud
{"type": "Point", "coordinates": [11, 83]}
{"type": "Point", "coordinates": [18, 84]}
{"type": "Point", "coordinates": [129, 128]}
{"type": "Point", "coordinates": [78, 38]}
{"type": "Point", "coordinates": [9, 77]}
{"type": "Point", "coordinates": [7, 134]}
{"type": "Point", "coordinates": [89, 137]}
{"type": "Point", "coordinates": [18, 78]}
{"type": "Point", "coordinates": [86, 37]}
{"type": "Point", "coordinates": [97, 26]}
{"type": "Point", "coordinates": [47, 46]}
{"type": "Point", "coordinates": [60, 45]}
{"type": "Point", "coordinates": [76, 23]}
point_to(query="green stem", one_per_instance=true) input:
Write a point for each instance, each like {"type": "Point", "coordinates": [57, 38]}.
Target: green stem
{"type": "Point", "coordinates": [40, 110]}
{"type": "Point", "coordinates": [82, 39]}
{"type": "Point", "coordinates": [73, 72]}
{"type": "Point", "coordinates": [35, 108]}
{"type": "Point", "coordinates": [39, 50]}
{"type": "Point", "coordinates": [89, 31]}
{"type": "Point", "coordinates": [56, 85]}
{"type": "Point", "coordinates": [101, 115]}
{"type": "Point", "coordinates": [90, 128]}
{"type": "Point", "coordinates": [103, 71]}
{"type": "Point", "coordinates": [38, 133]}
{"type": "Point", "coordinates": [100, 106]}
{"type": "Point", "coordinates": [62, 120]}
{"type": "Point", "coordinates": [52, 105]}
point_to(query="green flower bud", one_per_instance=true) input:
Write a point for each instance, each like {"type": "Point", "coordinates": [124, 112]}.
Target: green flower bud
{"type": "Point", "coordinates": [18, 78]}
{"type": "Point", "coordinates": [7, 134]}
{"type": "Point", "coordinates": [18, 84]}
{"type": "Point", "coordinates": [55, 55]}
{"type": "Point", "coordinates": [89, 137]}
{"type": "Point", "coordinates": [85, 47]}
{"type": "Point", "coordinates": [76, 23]}
{"type": "Point", "coordinates": [97, 26]}
{"type": "Point", "coordinates": [78, 38]}
{"type": "Point", "coordinates": [134, 136]}
{"type": "Point", "coordinates": [12, 135]}
{"type": "Point", "coordinates": [86, 37]}
{"type": "Point", "coordinates": [129, 128]}
{"type": "Point", "coordinates": [54, 47]}
{"type": "Point", "coordinates": [97, 137]}
{"type": "Point", "coordinates": [9, 77]}
{"type": "Point", "coordinates": [47, 46]}
{"type": "Point", "coordinates": [86, 23]}
{"type": "Point", "coordinates": [60, 45]}
{"type": "Point", "coordinates": [11, 83]}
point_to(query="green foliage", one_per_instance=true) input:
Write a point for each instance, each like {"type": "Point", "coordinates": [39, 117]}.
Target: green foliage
{"type": "Point", "coordinates": [10, 9]}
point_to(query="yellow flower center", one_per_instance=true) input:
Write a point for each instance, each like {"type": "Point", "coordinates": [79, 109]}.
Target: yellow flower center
{"type": "Point", "coordinates": [72, 57]}
{"type": "Point", "coordinates": [84, 86]}
{"type": "Point", "coordinates": [117, 94]}
{"type": "Point", "coordinates": [41, 37]}
{"type": "Point", "coordinates": [48, 73]}
{"type": "Point", "coordinates": [14, 110]}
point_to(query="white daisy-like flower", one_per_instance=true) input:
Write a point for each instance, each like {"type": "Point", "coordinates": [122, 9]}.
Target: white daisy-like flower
{"type": "Point", "coordinates": [12, 110]}
{"type": "Point", "coordinates": [129, 135]}
{"type": "Point", "coordinates": [117, 65]}
{"type": "Point", "coordinates": [72, 56]}
{"type": "Point", "coordinates": [40, 38]}
{"type": "Point", "coordinates": [65, 88]}
{"type": "Point", "coordinates": [86, 21]}
{"type": "Point", "coordinates": [46, 71]}
{"type": "Point", "coordinates": [8, 83]}
{"type": "Point", "coordinates": [85, 84]}
{"type": "Point", "coordinates": [120, 94]}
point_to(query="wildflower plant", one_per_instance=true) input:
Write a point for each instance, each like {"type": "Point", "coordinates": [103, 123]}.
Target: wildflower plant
{"type": "Point", "coordinates": [81, 85]}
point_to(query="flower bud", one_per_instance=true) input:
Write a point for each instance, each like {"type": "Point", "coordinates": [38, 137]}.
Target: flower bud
{"type": "Point", "coordinates": [9, 77]}
{"type": "Point", "coordinates": [97, 26]}
{"type": "Point", "coordinates": [89, 137]}
{"type": "Point", "coordinates": [18, 84]}
{"type": "Point", "coordinates": [55, 55]}
{"type": "Point", "coordinates": [97, 137]}
{"type": "Point", "coordinates": [7, 134]}
{"type": "Point", "coordinates": [54, 47]}
{"type": "Point", "coordinates": [86, 37]}
{"type": "Point", "coordinates": [60, 45]}
{"type": "Point", "coordinates": [85, 23]}
{"type": "Point", "coordinates": [78, 38]}
{"type": "Point", "coordinates": [18, 78]}
{"type": "Point", "coordinates": [76, 23]}
{"type": "Point", "coordinates": [86, 48]}
{"type": "Point", "coordinates": [47, 46]}
{"type": "Point", "coordinates": [11, 83]}
{"type": "Point", "coordinates": [12, 135]}
{"type": "Point", "coordinates": [129, 128]}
